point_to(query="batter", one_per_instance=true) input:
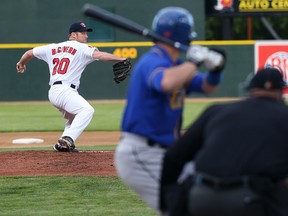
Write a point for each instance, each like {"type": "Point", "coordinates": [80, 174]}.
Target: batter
{"type": "Point", "coordinates": [158, 86]}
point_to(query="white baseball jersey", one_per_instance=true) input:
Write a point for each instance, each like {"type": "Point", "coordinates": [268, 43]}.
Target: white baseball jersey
{"type": "Point", "coordinates": [66, 60]}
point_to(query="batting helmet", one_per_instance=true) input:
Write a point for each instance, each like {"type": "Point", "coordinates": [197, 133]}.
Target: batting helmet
{"type": "Point", "coordinates": [175, 23]}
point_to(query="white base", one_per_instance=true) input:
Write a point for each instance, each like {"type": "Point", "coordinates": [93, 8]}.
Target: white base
{"type": "Point", "coordinates": [27, 141]}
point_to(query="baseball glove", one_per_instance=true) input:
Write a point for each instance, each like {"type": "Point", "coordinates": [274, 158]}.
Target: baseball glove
{"type": "Point", "coordinates": [121, 70]}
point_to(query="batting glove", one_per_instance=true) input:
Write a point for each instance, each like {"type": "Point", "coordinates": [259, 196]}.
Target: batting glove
{"type": "Point", "coordinates": [197, 54]}
{"type": "Point", "coordinates": [215, 60]}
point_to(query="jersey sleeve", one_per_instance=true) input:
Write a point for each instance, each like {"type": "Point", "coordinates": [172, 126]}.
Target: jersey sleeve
{"type": "Point", "coordinates": [155, 79]}
{"type": "Point", "coordinates": [196, 83]}
{"type": "Point", "coordinates": [41, 52]}
{"type": "Point", "coordinates": [88, 53]}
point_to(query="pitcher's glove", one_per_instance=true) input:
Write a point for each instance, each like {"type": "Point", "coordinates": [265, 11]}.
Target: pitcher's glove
{"type": "Point", "coordinates": [121, 70]}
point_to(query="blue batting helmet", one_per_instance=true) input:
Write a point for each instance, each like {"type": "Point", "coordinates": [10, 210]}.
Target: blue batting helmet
{"type": "Point", "coordinates": [175, 23]}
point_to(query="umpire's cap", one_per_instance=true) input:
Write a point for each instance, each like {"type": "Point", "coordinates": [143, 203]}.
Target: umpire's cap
{"type": "Point", "coordinates": [267, 79]}
{"type": "Point", "coordinates": [79, 27]}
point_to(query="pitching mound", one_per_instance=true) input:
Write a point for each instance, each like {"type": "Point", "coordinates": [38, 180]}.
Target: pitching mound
{"type": "Point", "coordinates": [39, 163]}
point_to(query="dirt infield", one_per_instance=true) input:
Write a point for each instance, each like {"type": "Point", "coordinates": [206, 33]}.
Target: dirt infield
{"type": "Point", "coordinates": [39, 163]}
{"type": "Point", "coordinates": [35, 163]}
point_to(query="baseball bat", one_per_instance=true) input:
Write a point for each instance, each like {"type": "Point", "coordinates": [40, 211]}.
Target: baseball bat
{"type": "Point", "coordinates": [128, 25]}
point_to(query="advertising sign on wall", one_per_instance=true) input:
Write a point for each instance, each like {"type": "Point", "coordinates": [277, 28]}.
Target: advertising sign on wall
{"type": "Point", "coordinates": [245, 7]}
{"type": "Point", "coordinates": [272, 54]}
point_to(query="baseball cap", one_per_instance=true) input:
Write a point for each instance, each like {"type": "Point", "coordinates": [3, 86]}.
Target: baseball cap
{"type": "Point", "coordinates": [79, 27]}
{"type": "Point", "coordinates": [267, 79]}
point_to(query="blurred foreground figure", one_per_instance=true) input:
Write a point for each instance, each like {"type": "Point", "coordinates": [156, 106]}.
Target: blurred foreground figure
{"type": "Point", "coordinates": [159, 83]}
{"type": "Point", "coordinates": [240, 151]}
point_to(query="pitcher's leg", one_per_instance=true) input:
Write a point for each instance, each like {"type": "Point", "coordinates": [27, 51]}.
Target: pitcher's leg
{"type": "Point", "coordinates": [75, 109]}
{"type": "Point", "coordinates": [80, 115]}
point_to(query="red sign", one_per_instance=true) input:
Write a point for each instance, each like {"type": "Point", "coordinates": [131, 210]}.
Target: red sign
{"type": "Point", "coordinates": [223, 4]}
{"type": "Point", "coordinates": [272, 54]}
{"type": "Point", "coordinates": [246, 7]}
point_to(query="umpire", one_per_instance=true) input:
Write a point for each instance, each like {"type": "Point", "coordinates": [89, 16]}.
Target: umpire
{"type": "Point", "coordinates": [240, 151]}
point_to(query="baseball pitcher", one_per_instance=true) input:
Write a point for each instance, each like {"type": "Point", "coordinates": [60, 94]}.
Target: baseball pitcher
{"type": "Point", "coordinates": [67, 61]}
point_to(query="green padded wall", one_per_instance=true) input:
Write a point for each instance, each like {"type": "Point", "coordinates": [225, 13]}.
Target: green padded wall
{"type": "Point", "coordinates": [97, 80]}
{"type": "Point", "coordinates": [46, 21]}
{"type": "Point", "coordinates": [26, 22]}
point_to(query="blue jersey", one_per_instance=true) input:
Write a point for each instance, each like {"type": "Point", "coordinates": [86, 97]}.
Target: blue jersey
{"type": "Point", "coordinates": [149, 111]}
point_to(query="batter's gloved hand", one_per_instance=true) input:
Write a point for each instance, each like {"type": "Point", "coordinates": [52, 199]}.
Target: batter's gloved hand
{"type": "Point", "coordinates": [121, 70]}
{"type": "Point", "coordinates": [197, 54]}
{"type": "Point", "coordinates": [215, 60]}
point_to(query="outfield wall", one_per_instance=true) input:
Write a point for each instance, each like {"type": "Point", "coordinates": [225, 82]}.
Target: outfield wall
{"type": "Point", "coordinates": [97, 81]}
{"type": "Point", "coordinates": [29, 23]}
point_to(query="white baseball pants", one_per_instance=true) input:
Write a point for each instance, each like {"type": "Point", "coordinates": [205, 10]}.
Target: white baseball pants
{"type": "Point", "coordinates": [73, 107]}
{"type": "Point", "coordinates": [139, 166]}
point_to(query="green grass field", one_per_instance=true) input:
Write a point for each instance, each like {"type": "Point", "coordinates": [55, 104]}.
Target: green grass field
{"type": "Point", "coordinates": [73, 195]}
{"type": "Point", "coordinates": [77, 195]}
{"type": "Point", "coordinates": [16, 117]}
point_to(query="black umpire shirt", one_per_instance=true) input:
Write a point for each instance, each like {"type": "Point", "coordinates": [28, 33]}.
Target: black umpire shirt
{"type": "Point", "coordinates": [239, 138]}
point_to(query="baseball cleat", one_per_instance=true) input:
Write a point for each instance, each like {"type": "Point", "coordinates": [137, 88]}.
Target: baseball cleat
{"type": "Point", "coordinates": [68, 143]}
{"type": "Point", "coordinates": [59, 148]}
{"type": "Point", "coordinates": [74, 150]}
